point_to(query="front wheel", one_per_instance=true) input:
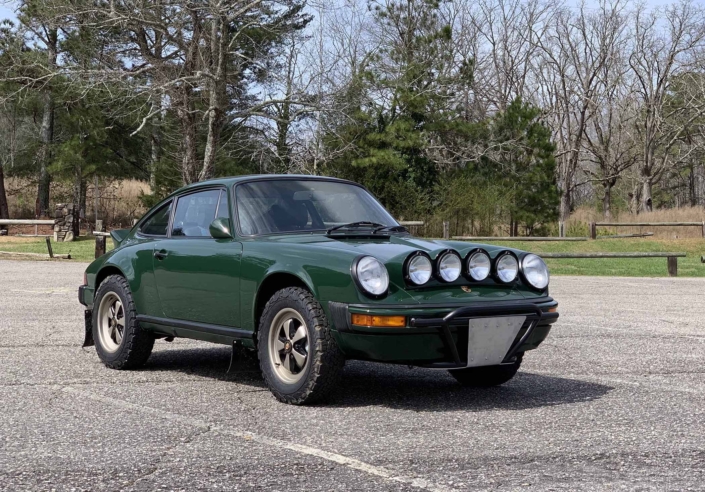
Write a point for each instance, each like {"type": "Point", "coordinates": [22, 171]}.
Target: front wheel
{"type": "Point", "coordinates": [119, 340]}
{"type": "Point", "coordinates": [484, 377]}
{"type": "Point", "coordinates": [300, 361]}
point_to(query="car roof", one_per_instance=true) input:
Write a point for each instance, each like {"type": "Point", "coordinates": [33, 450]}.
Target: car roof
{"type": "Point", "coordinates": [232, 180]}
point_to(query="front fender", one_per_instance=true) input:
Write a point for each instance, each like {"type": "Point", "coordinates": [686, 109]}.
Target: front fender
{"type": "Point", "coordinates": [325, 272]}
{"type": "Point", "coordinates": [133, 260]}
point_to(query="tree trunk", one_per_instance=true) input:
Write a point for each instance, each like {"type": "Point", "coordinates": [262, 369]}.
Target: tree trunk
{"type": "Point", "coordinates": [634, 200]}
{"type": "Point", "coordinates": [646, 202]}
{"type": "Point", "coordinates": [4, 209]}
{"type": "Point", "coordinates": [156, 143]}
{"type": "Point", "coordinates": [607, 201]}
{"type": "Point", "coordinates": [79, 199]}
{"type": "Point", "coordinates": [189, 161]}
{"type": "Point", "coordinates": [46, 134]}
{"type": "Point", "coordinates": [186, 110]}
{"type": "Point", "coordinates": [565, 204]}
{"type": "Point", "coordinates": [282, 137]}
{"type": "Point", "coordinates": [217, 98]}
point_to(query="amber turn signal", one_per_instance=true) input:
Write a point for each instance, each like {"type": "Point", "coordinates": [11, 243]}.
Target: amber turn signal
{"type": "Point", "coordinates": [553, 309]}
{"type": "Point", "coordinates": [379, 321]}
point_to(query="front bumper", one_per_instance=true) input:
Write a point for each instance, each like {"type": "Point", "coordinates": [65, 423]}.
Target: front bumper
{"type": "Point", "coordinates": [85, 296]}
{"type": "Point", "coordinates": [437, 336]}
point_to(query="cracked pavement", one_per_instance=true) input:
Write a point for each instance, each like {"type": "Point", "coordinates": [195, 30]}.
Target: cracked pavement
{"type": "Point", "coordinates": [615, 398]}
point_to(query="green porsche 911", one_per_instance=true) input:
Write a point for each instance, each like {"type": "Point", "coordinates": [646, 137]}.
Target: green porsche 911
{"type": "Point", "coordinates": [308, 272]}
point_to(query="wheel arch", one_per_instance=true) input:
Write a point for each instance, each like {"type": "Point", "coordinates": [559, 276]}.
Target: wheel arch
{"type": "Point", "coordinates": [105, 272]}
{"type": "Point", "coordinates": [274, 282]}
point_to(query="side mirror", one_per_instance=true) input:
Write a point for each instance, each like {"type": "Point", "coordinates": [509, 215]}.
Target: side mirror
{"type": "Point", "coordinates": [220, 228]}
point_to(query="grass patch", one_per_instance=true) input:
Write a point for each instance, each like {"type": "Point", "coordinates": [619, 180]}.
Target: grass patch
{"type": "Point", "coordinates": [622, 267]}
{"type": "Point", "coordinates": [82, 249]}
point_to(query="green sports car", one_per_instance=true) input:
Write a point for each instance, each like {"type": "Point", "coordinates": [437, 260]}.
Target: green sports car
{"type": "Point", "coordinates": [308, 272]}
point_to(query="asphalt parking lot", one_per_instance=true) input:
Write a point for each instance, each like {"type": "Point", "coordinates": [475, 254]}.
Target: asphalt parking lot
{"type": "Point", "coordinates": [615, 398]}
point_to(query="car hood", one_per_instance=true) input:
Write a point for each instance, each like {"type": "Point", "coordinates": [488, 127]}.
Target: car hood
{"type": "Point", "coordinates": [393, 250]}
{"type": "Point", "coordinates": [385, 248]}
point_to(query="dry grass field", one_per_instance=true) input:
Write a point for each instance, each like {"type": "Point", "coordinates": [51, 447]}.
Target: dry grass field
{"type": "Point", "coordinates": [579, 223]}
{"type": "Point", "coordinates": [118, 203]}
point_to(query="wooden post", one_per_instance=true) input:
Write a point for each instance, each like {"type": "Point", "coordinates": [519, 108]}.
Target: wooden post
{"type": "Point", "coordinates": [446, 229]}
{"type": "Point", "coordinates": [593, 230]}
{"type": "Point", "coordinates": [99, 246]}
{"type": "Point", "coordinates": [51, 252]}
{"type": "Point", "coordinates": [672, 266]}
{"type": "Point", "coordinates": [703, 228]}
{"type": "Point", "coordinates": [99, 226]}
{"type": "Point", "coordinates": [561, 229]}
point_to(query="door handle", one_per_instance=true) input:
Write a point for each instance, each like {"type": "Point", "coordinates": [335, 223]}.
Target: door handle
{"type": "Point", "coordinates": [160, 255]}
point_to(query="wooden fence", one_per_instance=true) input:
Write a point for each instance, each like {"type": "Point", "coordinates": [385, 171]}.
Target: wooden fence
{"type": "Point", "coordinates": [35, 222]}
{"type": "Point", "coordinates": [595, 225]}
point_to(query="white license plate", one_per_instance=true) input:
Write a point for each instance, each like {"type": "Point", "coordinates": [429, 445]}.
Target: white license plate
{"type": "Point", "coordinates": [489, 339]}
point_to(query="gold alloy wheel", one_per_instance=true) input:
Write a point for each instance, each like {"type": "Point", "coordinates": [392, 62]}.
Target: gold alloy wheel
{"type": "Point", "coordinates": [288, 345]}
{"type": "Point", "coordinates": [111, 322]}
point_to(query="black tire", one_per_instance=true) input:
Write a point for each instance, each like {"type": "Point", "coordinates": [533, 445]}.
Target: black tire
{"type": "Point", "coordinates": [136, 344]}
{"type": "Point", "coordinates": [324, 361]}
{"type": "Point", "coordinates": [487, 376]}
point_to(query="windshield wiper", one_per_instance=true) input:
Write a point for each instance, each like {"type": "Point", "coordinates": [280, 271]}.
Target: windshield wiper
{"type": "Point", "coordinates": [396, 228]}
{"type": "Point", "coordinates": [352, 225]}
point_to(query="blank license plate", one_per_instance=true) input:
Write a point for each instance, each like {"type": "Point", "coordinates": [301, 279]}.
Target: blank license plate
{"type": "Point", "coordinates": [489, 339]}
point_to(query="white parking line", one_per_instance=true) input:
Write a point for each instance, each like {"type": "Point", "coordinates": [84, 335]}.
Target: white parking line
{"type": "Point", "coordinates": [277, 443]}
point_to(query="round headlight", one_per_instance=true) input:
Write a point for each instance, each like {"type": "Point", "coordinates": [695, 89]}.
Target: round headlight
{"type": "Point", "coordinates": [372, 275]}
{"type": "Point", "coordinates": [479, 265]}
{"type": "Point", "coordinates": [535, 271]}
{"type": "Point", "coordinates": [419, 269]}
{"type": "Point", "coordinates": [507, 268]}
{"type": "Point", "coordinates": [449, 267]}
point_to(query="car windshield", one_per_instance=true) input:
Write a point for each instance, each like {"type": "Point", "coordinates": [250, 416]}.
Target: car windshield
{"type": "Point", "coordinates": [287, 205]}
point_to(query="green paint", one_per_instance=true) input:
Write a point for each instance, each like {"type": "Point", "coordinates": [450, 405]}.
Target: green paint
{"type": "Point", "coordinates": [221, 281]}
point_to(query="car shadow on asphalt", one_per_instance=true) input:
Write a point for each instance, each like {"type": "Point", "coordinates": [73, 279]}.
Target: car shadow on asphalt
{"type": "Point", "coordinates": [393, 386]}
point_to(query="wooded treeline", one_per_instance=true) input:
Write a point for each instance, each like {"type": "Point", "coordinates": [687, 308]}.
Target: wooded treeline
{"type": "Point", "coordinates": [494, 111]}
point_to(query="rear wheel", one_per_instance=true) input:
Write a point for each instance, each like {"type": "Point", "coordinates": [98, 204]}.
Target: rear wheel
{"type": "Point", "coordinates": [119, 340]}
{"type": "Point", "coordinates": [300, 361]}
{"type": "Point", "coordinates": [484, 377]}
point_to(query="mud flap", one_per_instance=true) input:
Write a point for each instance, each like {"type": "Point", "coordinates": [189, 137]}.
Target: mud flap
{"type": "Point", "coordinates": [88, 320]}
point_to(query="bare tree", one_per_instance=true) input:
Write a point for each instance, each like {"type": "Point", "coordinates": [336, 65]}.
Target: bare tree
{"type": "Point", "coordinates": [666, 45]}
{"type": "Point", "coordinates": [610, 141]}
{"type": "Point", "coordinates": [573, 55]}
{"type": "Point", "coordinates": [509, 34]}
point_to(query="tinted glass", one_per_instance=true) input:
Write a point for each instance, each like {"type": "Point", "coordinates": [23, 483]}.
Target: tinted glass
{"type": "Point", "coordinates": [223, 205]}
{"type": "Point", "coordinates": [265, 207]}
{"type": "Point", "coordinates": [194, 214]}
{"type": "Point", "coordinates": [157, 224]}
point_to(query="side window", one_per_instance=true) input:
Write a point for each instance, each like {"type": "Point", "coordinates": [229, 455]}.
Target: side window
{"type": "Point", "coordinates": [223, 206]}
{"type": "Point", "coordinates": [194, 214]}
{"type": "Point", "coordinates": [157, 224]}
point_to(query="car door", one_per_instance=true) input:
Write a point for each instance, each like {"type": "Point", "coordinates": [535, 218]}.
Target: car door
{"type": "Point", "coordinates": [151, 230]}
{"type": "Point", "coordinates": [197, 276]}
